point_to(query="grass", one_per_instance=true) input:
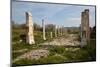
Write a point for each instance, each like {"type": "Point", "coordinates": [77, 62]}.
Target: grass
{"type": "Point", "coordinates": [15, 55]}
{"type": "Point", "coordinates": [87, 53]}
{"type": "Point", "coordinates": [47, 60]}
{"type": "Point", "coordinates": [83, 54]}
{"type": "Point", "coordinates": [16, 45]}
{"type": "Point", "coordinates": [57, 49]}
{"type": "Point", "coordinates": [16, 37]}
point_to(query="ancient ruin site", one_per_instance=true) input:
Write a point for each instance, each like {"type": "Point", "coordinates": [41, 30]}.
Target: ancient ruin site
{"type": "Point", "coordinates": [40, 34]}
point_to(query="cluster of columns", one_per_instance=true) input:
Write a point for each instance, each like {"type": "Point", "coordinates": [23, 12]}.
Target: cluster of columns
{"type": "Point", "coordinates": [85, 29]}
{"type": "Point", "coordinates": [30, 30]}
{"type": "Point", "coordinates": [58, 31]}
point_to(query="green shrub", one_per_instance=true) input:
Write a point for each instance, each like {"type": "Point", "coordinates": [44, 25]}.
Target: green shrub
{"type": "Point", "coordinates": [57, 49]}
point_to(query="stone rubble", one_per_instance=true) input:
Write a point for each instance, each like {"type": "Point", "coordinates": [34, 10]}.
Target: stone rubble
{"type": "Point", "coordinates": [71, 40]}
{"type": "Point", "coordinates": [33, 54]}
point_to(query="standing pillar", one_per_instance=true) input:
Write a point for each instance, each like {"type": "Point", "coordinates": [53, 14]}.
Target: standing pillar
{"type": "Point", "coordinates": [55, 31]}
{"type": "Point", "coordinates": [43, 25]}
{"type": "Point", "coordinates": [85, 30]}
{"type": "Point", "coordinates": [61, 30]}
{"type": "Point", "coordinates": [87, 25]}
{"type": "Point", "coordinates": [29, 29]}
{"type": "Point", "coordinates": [58, 30]}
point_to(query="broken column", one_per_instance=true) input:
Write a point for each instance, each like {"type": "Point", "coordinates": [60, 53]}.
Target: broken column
{"type": "Point", "coordinates": [85, 30]}
{"type": "Point", "coordinates": [43, 25]}
{"type": "Point", "coordinates": [29, 29]}
{"type": "Point", "coordinates": [87, 25]}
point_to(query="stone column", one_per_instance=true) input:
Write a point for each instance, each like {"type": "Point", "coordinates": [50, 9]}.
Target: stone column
{"type": "Point", "coordinates": [51, 35]}
{"type": "Point", "coordinates": [55, 31]}
{"type": "Point", "coordinates": [80, 33]}
{"type": "Point", "coordinates": [58, 30]}
{"type": "Point", "coordinates": [29, 29]}
{"type": "Point", "coordinates": [43, 25]}
{"type": "Point", "coordinates": [87, 25]}
{"type": "Point", "coordinates": [61, 30]}
{"type": "Point", "coordinates": [85, 29]}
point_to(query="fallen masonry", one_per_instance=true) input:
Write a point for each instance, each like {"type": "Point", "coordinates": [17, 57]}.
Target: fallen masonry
{"type": "Point", "coordinates": [71, 40]}
{"type": "Point", "coordinates": [33, 54]}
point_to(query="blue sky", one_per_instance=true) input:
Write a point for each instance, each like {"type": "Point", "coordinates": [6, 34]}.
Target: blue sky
{"type": "Point", "coordinates": [66, 15]}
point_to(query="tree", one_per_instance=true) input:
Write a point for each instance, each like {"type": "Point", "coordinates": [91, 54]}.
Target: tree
{"type": "Point", "coordinates": [37, 27]}
{"type": "Point", "coordinates": [50, 27]}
